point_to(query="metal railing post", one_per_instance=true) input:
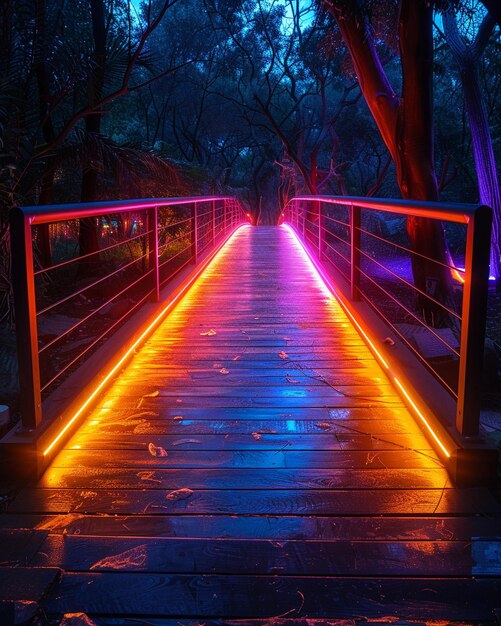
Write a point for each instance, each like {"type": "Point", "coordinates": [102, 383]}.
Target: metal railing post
{"type": "Point", "coordinates": [23, 284]}
{"type": "Point", "coordinates": [224, 216]}
{"type": "Point", "coordinates": [475, 290]}
{"type": "Point", "coordinates": [194, 233]}
{"type": "Point", "coordinates": [320, 230]}
{"type": "Point", "coordinates": [355, 252]}
{"type": "Point", "coordinates": [213, 226]}
{"type": "Point", "coordinates": [153, 247]}
{"type": "Point", "coordinates": [303, 215]}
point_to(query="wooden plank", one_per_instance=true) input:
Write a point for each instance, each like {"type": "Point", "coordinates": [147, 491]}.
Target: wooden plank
{"type": "Point", "coordinates": [362, 528]}
{"type": "Point", "coordinates": [19, 546]}
{"type": "Point", "coordinates": [249, 377]}
{"type": "Point", "coordinates": [259, 502]}
{"type": "Point", "coordinates": [142, 422]}
{"type": "Point", "coordinates": [268, 360]}
{"type": "Point", "coordinates": [257, 441]}
{"type": "Point", "coordinates": [26, 583]}
{"type": "Point", "coordinates": [244, 401]}
{"type": "Point", "coordinates": [170, 479]}
{"type": "Point", "coordinates": [348, 459]}
{"type": "Point", "coordinates": [342, 415]}
{"type": "Point", "coordinates": [234, 390]}
{"type": "Point", "coordinates": [291, 557]}
{"type": "Point", "coordinates": [198, 596]}
{"type": "Point", "coordinates": [135, 424]}
{"type": "Point", "coordinates": [277, 621]}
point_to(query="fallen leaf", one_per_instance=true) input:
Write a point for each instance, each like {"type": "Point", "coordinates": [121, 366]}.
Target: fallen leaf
{"type": "Point", "coordinates": [208, 333]}
{"type": "Point", "coordinates": [323, 425]}
{"type": "Point", "coordinates": [88, 494]}
{"type": "Point", "coordinates": [179, 494]}
{"type": "Point", "coordinates": [148, 476]}
{"type": "Point", "coordinates": [223, 370]}
{"type": "Point", "coordinates": [178, 418]}
{"type": "Point", "coordinates": [291, 380]}
{"type": "Point", "coordinates": [156, 450]}
{"type": "Point", "coordinates": [235, 358]}
{"type": "Point", "coordinates": [77, 619]}
{"type": "Point", "coordinates": [142, 414]}
{"type": "Point", "coordinates": [142, 428]}
{"type": "Point", "coordinates": [130, 558]}
{"type": "Point", "coordinates": [180, 442]}
{"type": "Point", "coordinates": [283, 355]}
{"type": "Point", "coordinates": [287, 339]}
{"type": "Point", "coordinates": [257, 435]}
{"type": "Point", "coordinates": [389, 341]}
{"type": "Point", "coordinates": [153, 394]}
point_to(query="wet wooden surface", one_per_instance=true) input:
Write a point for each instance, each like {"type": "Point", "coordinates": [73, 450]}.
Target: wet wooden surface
{"type": "Point", "coordinates": [308, 491]}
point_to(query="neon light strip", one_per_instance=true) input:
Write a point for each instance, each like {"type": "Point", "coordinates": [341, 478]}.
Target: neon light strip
{"type": "Point", "coordinates": [138, 341]}
{"type": "Point", "coordinates": [334, 294]}
{"type": "Point", "coordinates": [420, 415]}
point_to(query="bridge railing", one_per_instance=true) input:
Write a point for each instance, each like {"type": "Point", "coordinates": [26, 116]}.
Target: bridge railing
{"type": "Point", "coordinates": [364, 242]}
{"type": "Point", "coordinates": [79, 271]}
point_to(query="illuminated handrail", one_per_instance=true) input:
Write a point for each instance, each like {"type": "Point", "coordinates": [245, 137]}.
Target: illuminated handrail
{"type": "Point", "coordinates": [170, 233]}
{"type": "Point", "coordinates": [343, 246]}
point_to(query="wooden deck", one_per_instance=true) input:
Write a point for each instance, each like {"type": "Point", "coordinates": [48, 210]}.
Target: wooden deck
{"type": "Point", "coordinates": [308, 489]}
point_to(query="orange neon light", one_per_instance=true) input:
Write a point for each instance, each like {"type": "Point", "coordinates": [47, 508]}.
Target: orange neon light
{"type": "Point", "coordinates": [333, 293]}
{"type": "Point", "coordinates": [421, 416]}
{"type": "Point", "coordinates": [138, 341]}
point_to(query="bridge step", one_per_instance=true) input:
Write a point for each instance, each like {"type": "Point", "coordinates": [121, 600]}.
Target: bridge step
{"type": "Point", "coordinates": [211, 596]}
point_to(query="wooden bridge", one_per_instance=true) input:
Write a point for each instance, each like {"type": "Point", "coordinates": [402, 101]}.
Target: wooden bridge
{"type": "Point", "coordinates": [252, 463]}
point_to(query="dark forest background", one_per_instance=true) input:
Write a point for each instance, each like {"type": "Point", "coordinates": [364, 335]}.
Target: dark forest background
{"type": "Point", "coordinates": [263, 99]}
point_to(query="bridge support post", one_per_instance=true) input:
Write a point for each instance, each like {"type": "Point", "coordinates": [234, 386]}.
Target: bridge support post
{"type": "Point", "coordinates": [475, 291]}
{"type": "Point", "coordinates": [23, 284]}
{"type": "Point", "coordinates": [153, 262]}
{"type": "Point", "coordinates": [355, 252]}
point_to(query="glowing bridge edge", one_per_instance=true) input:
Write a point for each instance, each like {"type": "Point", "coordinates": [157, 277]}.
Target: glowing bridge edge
{"type": "Point", "coordinates": [333, 293]}
{"type": "Point", "coordinates": [140, 340]}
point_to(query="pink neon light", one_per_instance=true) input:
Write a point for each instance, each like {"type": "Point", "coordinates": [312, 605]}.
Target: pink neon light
{"type": "Point", "coordinates": [331, 290]}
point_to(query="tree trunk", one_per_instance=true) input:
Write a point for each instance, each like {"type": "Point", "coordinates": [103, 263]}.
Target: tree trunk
{"type": "Point", "coordinates": [88, 235]}
{"type": "Point", "coordinates": [406, 127]}
{"type": "Point", "coordinates": [415, 157]}
{"type": "Point", "coordinates": [47, 127]}
{"type": "Point", "coordinates": [467, 58]}
{"type": "Point", "coordinates": [485, 164]}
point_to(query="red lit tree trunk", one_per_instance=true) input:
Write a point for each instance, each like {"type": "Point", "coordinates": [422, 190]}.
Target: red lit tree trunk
{"type": "Point", "coordinates": [88, 236]}
{"type": "Point", "coordinates": [467, 57]}
{"type": "Point", "coordinates": [406, 126]}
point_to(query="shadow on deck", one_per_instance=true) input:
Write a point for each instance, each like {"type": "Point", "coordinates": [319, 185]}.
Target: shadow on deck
{"type": "Point", "coordinates": [254, 462]}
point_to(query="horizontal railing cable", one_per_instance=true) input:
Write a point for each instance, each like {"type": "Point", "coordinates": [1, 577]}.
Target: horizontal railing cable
{"type": "Point", "coordinates": [138, 255]}
{"type": "Point", "coordinates": [401, 283]}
